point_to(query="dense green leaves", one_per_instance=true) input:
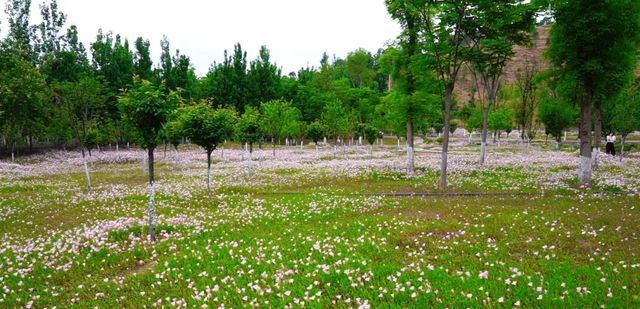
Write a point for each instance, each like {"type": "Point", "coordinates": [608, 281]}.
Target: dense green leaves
{"type": "Point", "coordinates": [146, 108]}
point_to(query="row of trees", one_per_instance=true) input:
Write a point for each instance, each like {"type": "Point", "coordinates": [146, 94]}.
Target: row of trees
{"type": "Point", "coordinates": [594, 54]}
{"type": "Point", "coordinates": [56, 90]}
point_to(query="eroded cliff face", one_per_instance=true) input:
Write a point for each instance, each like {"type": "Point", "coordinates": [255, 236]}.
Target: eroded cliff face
{"type": "Point", "coordinates": [524, 55]}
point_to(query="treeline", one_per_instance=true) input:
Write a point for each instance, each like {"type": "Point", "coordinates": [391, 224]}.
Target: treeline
{"type": "Point", "coordinates": [58, 92]}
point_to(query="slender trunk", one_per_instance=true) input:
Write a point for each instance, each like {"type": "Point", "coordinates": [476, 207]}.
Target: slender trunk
{"type": "Point", "coordinates": [445, 141]}
{"type": "Point", "coordinates": [597, 135]}
{"type": "Point", "coordinates": [152, 206]}
{"type": "Point", "coordinates": [89, 149]}
{"type": "Point", "coordinates": [209, 172]}
{"type": "Point", "coordinates": [117, 147]}
{"type": "Point", "coordinates": [30, 144]}
{"type": "Point", "coordinates": [87, 175]}
{"type": "Point", "coordinates": [13, 151]}
{"type": "Point", "coordinates": [164, 156]}
{"type": "Point", "coordinates": [410, 156]}
{"type": "Point", "coordinates": [584, 174]}
{"type": "Point", "coordinates": [273, 141]}
{"type": "Point", "coordinates": [622, 139]}
{"type": "Point", "coordinates": [485, 128]}
{"type": "Point", "coordinates": [335, 148]}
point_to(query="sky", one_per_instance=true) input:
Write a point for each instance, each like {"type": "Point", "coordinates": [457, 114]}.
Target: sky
{"type": "Point", "coordinates": [296, 32]}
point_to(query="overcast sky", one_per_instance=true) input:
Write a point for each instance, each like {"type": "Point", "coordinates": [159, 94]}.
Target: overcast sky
{"type": "Point", "coordinates": [296, 32]}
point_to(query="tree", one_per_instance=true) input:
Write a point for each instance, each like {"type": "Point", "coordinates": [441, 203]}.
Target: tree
{"type": "Point", "coordinates": [500, 120]}
{"type": "Point", "coordinates": [276, 116]}
{"type": "Point", "coordinates": [50, 41]}
{"type": "Point", "coordinates": [593, 45]}
{"type": "Point", "coordinates": [624, 114]}
{"type": "Point", "coordinates": [142, 59]}
{"type": "Point", "coordinates": [556, 116]}
{"type": "Point", "coordinates": [146, 109]}
{"type": "Point", "coordinates": [80, 102]}
{"type": "Point", "coordinates": [442, 26]}
{"type": "Point", "coordinates": [263, 79]}
{"type": "Point", "coordinates": [315, 131]}
{"type": "Point", "coordinates": [21, 34]}
{"type": "Point", "coordinates": [527, 89]}
{"type": "Point", "coordinates": [23, 97]}
{"type": "Point", "coordinates": [247, 130]}
{"type": "Point", "coordinates": [493, 28]}
{"type": "Point", "coordinates": [335, 120]}
{"type": "Point", "coordinates": [360, 68]}
{"type": "Point", "coordinates": [207, 127]}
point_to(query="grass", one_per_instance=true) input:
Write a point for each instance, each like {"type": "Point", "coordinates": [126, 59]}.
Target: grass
{"type": "Point", "coordinates": [318, 245]}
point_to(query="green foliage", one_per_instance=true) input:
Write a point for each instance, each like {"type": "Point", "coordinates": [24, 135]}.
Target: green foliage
{"type": "Point", "coordinates": [622, 115]}
{"type": "Point", "coordinates": [315, 131]}
{"type": "Point", "coordinates": [91, 139]}
{"type": "Point", "coordinates": [207, 127]}
{"type": "Point", "coordinates": [247, 130]}
{"type": "Point", "coordinates": [173, 132]}
{"type": "Point", "coordinates": [146, 109]}
{"type": "Point", "coordinates": [278, 118]}
{"type": "Point", "coordinates": [371, 134]}
{"type": "Point", "coordinates": [593, 45]}
{"type": "Point", "coordinates": [23, 97]}
{"type": "Point", "coordinates": [335, 119]}
{"type": "Point", "coordinates": [501, 120]}
{"type": "Point", "coordinates": [556, 115]}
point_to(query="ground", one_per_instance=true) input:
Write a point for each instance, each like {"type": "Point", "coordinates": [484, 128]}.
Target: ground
{"type": "Point", "coordinates": [306, 230]}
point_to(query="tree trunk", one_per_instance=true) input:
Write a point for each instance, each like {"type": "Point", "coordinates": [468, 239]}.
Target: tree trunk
{"type": "Point", "coordinates": [335, 148]}
{"type": "Point", "coordinates": [164, 156]}
{"type": "Point", "coordinates": [597, 113]}
{"type": "Point", "coordinates": [584, 173]}
{"type": "Point", "coordinates": [209, 172]}
{"type": "Point", "coordinates": [485, 129]}
{"type": "Point", "coordinates": [13, 151]}
{"type": "Point", "coordinates": [622, 139]}
{"type": "Point", "coordinates": [87, 175]}
{"type": "Point", "coordinates": [152, 206]}
{"type": "Point", "coordinates": [30, 144]}
{"type": "Point", "coordinates": [410, 156]}
{"type": "Point", "coordinates": [273, 141]}
{"type": "Point", "coordinates": [445, 141]}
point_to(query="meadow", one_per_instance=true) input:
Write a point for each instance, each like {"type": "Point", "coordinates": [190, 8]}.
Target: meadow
{"type": "Point", "coordinates": [303, 229]}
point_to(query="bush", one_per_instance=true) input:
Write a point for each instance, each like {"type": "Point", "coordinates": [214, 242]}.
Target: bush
{"type": "Point", "coordinates": [440, 140]}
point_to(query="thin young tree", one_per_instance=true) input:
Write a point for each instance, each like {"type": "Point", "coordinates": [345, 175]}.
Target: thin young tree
{"type": "Point", "coordinates": [442, 27]}
{"type": "Point", "coordinates": [207, 127]}
{"type": "Point", "coordinates": [493, 28]}
{"type": "Point", "coordinates": [146, 108]}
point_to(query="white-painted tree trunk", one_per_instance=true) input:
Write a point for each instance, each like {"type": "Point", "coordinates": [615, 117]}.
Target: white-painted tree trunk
{"type": "Point", "coordinates": [483, 152]}
{"type": "Point", "coordinates": [410, 161]}
{"type": "Point", "coordinates": [584, 173]}
{"type": "Point", "coordinates": [301, 145]}
{"type": "Point", "coordinates": [117, 148]}
{"type": "Point", "coordinates": [335, 150]}
{"type": "Point", "coordinates": [595, 157]}
{"type": "Point", "coordinates": [565, 136]}
{"type": "Point", "coordinates": [87, 175]}
{"type": "Point", "coordinates": [621, 147]}
{"type": "Point", "coordinates": [152, 212]}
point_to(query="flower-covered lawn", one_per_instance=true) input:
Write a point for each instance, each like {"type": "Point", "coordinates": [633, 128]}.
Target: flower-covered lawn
{"type": "Point", "coordinates": [306, 230]}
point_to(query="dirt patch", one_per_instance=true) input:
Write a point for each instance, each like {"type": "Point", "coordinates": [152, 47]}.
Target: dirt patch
{"type": "Point", "coordinates": [140, 269]}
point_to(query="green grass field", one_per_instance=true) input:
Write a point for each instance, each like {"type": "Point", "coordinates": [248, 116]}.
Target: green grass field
{"type": "Point", "coordinates": [305, 230]}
